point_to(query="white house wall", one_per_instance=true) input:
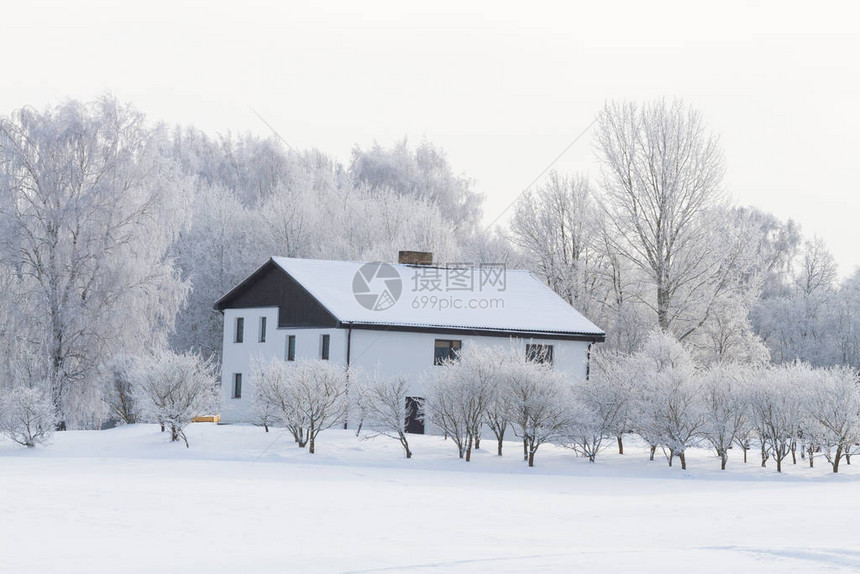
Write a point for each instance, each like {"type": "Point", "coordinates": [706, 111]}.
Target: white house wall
{"type": "Point", "coordinates": [237, 356]}
{"type": "Point", "coordinates": [386, 352]}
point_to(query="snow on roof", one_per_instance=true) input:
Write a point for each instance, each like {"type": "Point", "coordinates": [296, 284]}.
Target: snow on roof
{"type": "Point", "coordinates": [480, 298]}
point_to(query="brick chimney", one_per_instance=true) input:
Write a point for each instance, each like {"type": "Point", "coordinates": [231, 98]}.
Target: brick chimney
{"type": "Point", "coordinates": [415, 258]}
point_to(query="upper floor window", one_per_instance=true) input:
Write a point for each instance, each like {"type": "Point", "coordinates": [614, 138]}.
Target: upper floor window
{"type": "Point", "coordinates": [445, 349]}
{"type": "Point", "coordinates": [240, 330]}
{"type": "Point", "coordinates": [237, 385]}
{"type": "Point", "coordinates": [291, 348]}
{"type": "Point", "coordinates": [262, 329]}
{"type": "Point", "coordinates": [324, 347]}
{"type": "Point", "coordinates": [539, 353]}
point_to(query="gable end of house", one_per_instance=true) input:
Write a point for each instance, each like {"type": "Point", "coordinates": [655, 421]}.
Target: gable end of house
{"type": "Point", "coordinates": [272, 286]}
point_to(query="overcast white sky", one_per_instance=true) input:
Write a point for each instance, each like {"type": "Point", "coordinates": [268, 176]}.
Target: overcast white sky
{"type": "Point", "coordinates": [503, 88]}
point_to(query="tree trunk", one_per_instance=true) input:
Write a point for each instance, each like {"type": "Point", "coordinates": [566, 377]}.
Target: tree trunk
{"type": "Point", "coordinates": [653, 449]}
{"type": "Point", "coordinates": [663, 298]}
{"type": "Point", "coordinates": [778, 463]}
{"type": "Point", "coordinates": [745, 449]}
{"type": "Point", "coordinates": [477, 442]}
{"type": "Point", "coordinates": [793, 452]}
{"type": "Point", "coordinates": [848, 458]}
{"type": "Point", "coordinates": [531, 458]}
{"type": "Point", "coordinates": [266, 426]}
{"type": "Point", "coordinates": [405, 443]}
{"type": "Point", "coordinates": [499, 445]}
{"type": "Point", "coordinates": [620, 445]}
{"type": "Point", "coordinates": [671, 456]}
{"type": "Point", "coordinates": [837, 459]}
{"type": "Point", "coordinates": [469, 449]}
{"type": "Point", "coordinates": [683, 459]}
{"type": "Point", "coordinates": [525, 449]}
{"type": "Point", "coordinates": [724, 457]}
{"type": "Point", "coordinates": [763, 456]}
{"type": "Point", "coordinates": [311, 445]}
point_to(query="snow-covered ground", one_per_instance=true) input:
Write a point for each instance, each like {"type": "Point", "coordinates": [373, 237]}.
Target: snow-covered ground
{"type": "Point", "coordinates": [241, 500]}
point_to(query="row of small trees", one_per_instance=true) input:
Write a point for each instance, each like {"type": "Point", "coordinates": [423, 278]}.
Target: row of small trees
{"type": "Point", "coordinates": [658, 393]}
{"type": "Point", "coordinates": [165, 387]}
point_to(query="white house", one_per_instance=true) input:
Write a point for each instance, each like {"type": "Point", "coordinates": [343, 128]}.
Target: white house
{"type": "Point", "coordinates": [390, 319]}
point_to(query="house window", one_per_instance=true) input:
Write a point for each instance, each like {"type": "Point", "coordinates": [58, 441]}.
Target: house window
{"type": "Point", "coordinates": [446, 349]}
{"type": "Point", "coordinates": [237, 385]}
{"type": "Point", "coordinates": [262, 329]}
{"type": "Point", "coordinates": [240, 329]}
{"type": "Point", "coordinates": [324, 346]}
{"type": "Point", "coordinates": [291, 348]}
{"type": "Point", "coordinates": [539, 353]}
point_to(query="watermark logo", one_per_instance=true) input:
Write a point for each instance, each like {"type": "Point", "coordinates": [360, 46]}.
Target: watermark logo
{"type": "Point", "coordinates": [377, 286]}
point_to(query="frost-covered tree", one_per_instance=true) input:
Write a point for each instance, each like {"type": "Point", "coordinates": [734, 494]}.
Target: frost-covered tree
{"type": "Point", "coordinates": [27, 415]}
{"type": "Point", "coordinates": [118, 382]}
{"type": "Point", "coordinates": [666, 408]}
{"type": "Point", "coordinates": [662, 174]}
{"type": "Point", "coordinates": [273, 400]}
{"type": "Point", "coordinates": [176, 387]}
{"type": "Point", "coordinates": [776, 408]}
{"type": "Point", "coordinates": [89, 205]}
{"type": "Point", "coordinates": [600, 406]}
{"type": "Point", "coordinates": [558, 226]}
{"type": "Point", "coordinates": [725, 408]}
{"type": "Point", "coordinates": [219, 249]}
{"type": "Point", "coordinates": [538, 402]}
{"type": "Point", "coordinates": [320, 391]}
{"type": "Point", "coordinates": [832, 407]}
{"type": "Point", "coordinates": [446, 407]}
{"type": "Point", "coordinates": [308, 397]}
{"type": "Point", "coordinates": [422, 173]}
{"type": "Point", "coordinates": [384, 407]}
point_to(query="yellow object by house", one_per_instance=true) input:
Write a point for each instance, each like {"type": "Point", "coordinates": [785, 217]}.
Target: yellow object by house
{"type": "Point", "coordinates": [207, 419]}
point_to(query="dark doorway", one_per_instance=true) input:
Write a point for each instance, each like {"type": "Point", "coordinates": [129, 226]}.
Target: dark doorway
{"type": "Point", "coordinates": [415, 415]}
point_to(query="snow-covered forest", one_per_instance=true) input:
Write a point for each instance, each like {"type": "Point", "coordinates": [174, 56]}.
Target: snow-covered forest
{"type": "Point", "coordinates": [117, 233]}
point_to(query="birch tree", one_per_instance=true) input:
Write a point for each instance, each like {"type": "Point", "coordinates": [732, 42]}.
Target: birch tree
{"type": "Point", "coordinates": [89, 207]}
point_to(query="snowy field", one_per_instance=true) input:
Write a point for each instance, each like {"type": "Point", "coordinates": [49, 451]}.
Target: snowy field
{"type": "Point", "coordinates": [241, 500]}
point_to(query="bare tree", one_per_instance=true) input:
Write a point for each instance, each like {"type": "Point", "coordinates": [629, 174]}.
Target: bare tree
{"type": "Point", "coordinates": [274, 399]}
{"type": "Point", "coordinates": [119, 388]}
{"type": "Point", "coordinates": [538, 402]}
{"type": "Point", "coordinates": [662, 172]}
{"type": "Point", "coordinates": [383, 402]}
{"type": "Point", "coordinates": [600, 406]}
{"type": "Point", "coordinates": [558, 227]}
{"type": "Point", "coordinates": [833, 406]}
{"type": "Point", "coordinates": [27, 415]}
{"type": "Point", "coordinates": [444, 404]}
{"type": "Point", "coordinates": [176, 387]}
{"type": "Point", "coordinates": [309, 396]}
{"type": "Point", "coordinates": [724, 407]}
{"type": "Point", "coordinates": [666, 408]}
{"type": "Point", "coordinates": [776, 408]}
